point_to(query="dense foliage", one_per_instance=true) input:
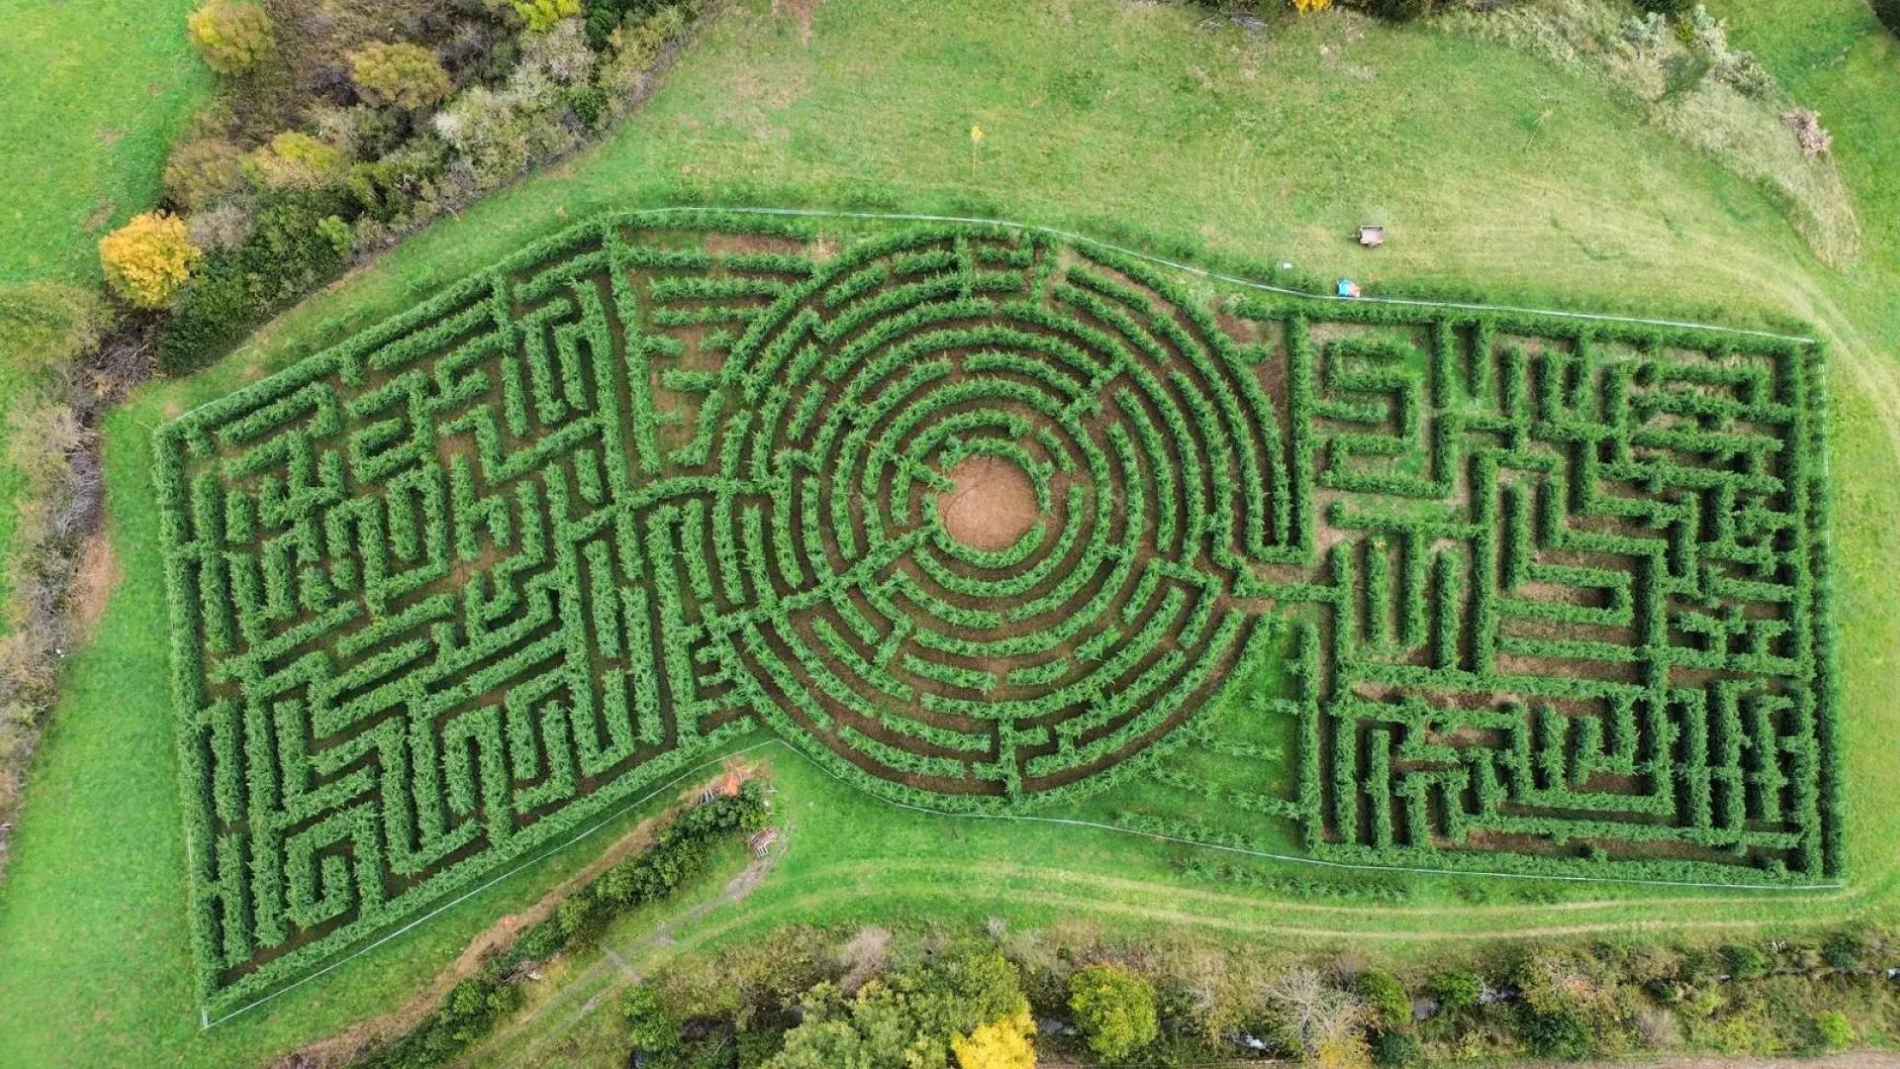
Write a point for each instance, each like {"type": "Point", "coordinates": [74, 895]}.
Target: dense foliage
{"type": "Point", "coordinates": [1115, 1009]}
{"type": "Point", "coordinates": [778, 1001]}
{"type": "Point", "coordinates": [404, 75]}
{"type": "Point", "coordinates": [233, 36]}
{"type": "Point", "coordinates": [680, 852]}
{"type": "Point", "coordinates": [967, 1006]}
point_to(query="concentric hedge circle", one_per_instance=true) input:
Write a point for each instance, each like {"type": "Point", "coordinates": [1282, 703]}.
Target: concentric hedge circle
{"type": "Point", "coordinates": [939, 666]}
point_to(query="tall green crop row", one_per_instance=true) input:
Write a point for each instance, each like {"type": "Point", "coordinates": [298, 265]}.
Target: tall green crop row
{"type": "Point", "coordinates": [460, 587]}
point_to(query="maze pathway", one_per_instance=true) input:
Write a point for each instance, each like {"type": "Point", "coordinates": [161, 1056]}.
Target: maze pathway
{"type": "Point", "coordinates": [980, 520]}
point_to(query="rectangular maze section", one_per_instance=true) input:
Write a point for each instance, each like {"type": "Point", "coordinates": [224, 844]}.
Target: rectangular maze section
{"type": "Point", "coordinates": [1571, 600]}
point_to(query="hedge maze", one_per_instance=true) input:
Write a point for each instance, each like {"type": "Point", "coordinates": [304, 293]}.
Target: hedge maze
{"type": "Point", "coordinates": [979, 520]}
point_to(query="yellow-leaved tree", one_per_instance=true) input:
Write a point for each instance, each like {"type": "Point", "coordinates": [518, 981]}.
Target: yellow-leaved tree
{"type": "Point", "coordinates": [148, 260]}
{"type": "Point", "coordinates": [1306, 7]}
{"type": "Point", "coordinates": [1002, 1044]}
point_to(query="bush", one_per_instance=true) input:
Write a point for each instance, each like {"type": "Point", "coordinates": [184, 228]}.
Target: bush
{"type": "Point", "coordinates": [287, 253]}
{"type": "Point", "coordinates": [1115, 1010]}
{"type": "Point", "coordinates": [1554, 1035]}
{"type": "Point", "coordinates": [1395, 1049]}
{"type": "Point", "coordinates": [1844, 952]}
{"type": "Point", "coordinates": [1457, 989]}
{"type": "Point", "coordinates": [148, 260]}
{"type": "Point", "coordinates": [603, 17]}
{"type": "Point", "coordinates": [295, 160]}
{"type": "Point", "coordinates": [203, 170]}
{"type": "Point", "coordinates": [1664, 7]}
{"type": "Point", "coordinates": [540, 16]}
{"type": "Point", "coordinates": [232, 37]}
{"type": "Point", "coordinates": [224, 226]}
{"type": "Point", "coordinates": [1002, 1044]}
{"type": "Point", "coordinates": [1386, 995]}
{"type": "Point", "coordinates": [404, 75]}
{"type": "Point", "coordinates": [45, 326]}
{"type": "Point", "coordinates": [1744, 962]}
{"type": "Point", "coordinates": [1833, 1031]}
{"type": "Point", "coordinates": [651, 1028]}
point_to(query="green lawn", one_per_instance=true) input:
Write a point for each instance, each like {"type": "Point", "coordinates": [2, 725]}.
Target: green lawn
{"type": "Point", "coordinates": [96, 91]}
{"type": "Point", "coordinates": [1493, 171]}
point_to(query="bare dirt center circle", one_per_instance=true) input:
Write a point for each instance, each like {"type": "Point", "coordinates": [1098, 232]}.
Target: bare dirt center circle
{"type": "Point", "coordinates": [990, 505]}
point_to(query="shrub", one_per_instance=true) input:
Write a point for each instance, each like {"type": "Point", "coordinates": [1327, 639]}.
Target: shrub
{"type": "Point", "coordinates": [540, 16]}
{"type": "Point", "coordinates": [1002, 1044]}
{"type": "Point", "coordinates": [1554, 1035]}
{"type": "Point", "coordinates": [404, 75]}
{"type": "Point", "coordinates": [1844, 952]}
{"type": "Point", "coordinates": [651, 1029]}
{"type": "Point", "coordinates": [47, 325]}
{"type": "Point", "coordinates": [1115, 1010]}
{"type": "Point", "coordinates": [149, 259]}
{"type": "Point", "coordinates": [1457, 989]}
{"type": "Point", "coordinates": [202, 170]}
{"type": "Point", "coordinates": [1395, 1049]}
{"type": "Point", "coordinates": [294, 160]}
{"type": "Point", "coordinates": [1745, 962]}
{"type": "Point", "coordinates": [1386, 995]}
{"type": "Point", "coordinates": [561, 54]}
{"type": "Point", "coordinates": [233, 37]}
{"type": "Point", "coordinates": [1833, 1031]}
{"type": "Point", "coordinates": [1664, 7]}
{"type": "Point", "coordinates": [224, 226]}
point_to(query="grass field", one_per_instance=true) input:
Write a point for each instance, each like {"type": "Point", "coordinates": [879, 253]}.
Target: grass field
{"type": "Point", "coordinates": [1506, 176]}
{"type": "Point", "coordinates": [96, 92]}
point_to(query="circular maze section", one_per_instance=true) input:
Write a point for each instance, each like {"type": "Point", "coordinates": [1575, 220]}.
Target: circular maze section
{"type": "Point", "coordinates": [1012, 494]}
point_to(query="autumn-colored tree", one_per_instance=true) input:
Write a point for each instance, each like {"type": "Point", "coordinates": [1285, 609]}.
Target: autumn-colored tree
{"type": "Point", "coordinates": [1307, 7]}
{"type": "Point", "coordinates": [1002, 1044]}
{"type": "Point", "coordinates": [233, 37]}
{"type": "Point", "coordinates": [148, 260]}
{"type": "Point", "coordinates": [405, 75]}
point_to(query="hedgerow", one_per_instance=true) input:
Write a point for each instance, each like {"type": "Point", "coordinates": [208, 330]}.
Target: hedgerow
{"type": "Point", "coordinates": [680, 852]}
{"type": "Point", "coordinates": [449, 590]}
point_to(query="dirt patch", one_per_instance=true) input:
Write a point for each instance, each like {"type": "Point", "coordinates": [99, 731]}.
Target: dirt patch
{"type": "Point", "coordinates": [98, 576]}
{"type": "Point", "coordinates": [734, 244]}
{"type": "Point", "coordinates": [803, 11]}
{"type": "Point", "coordinates": [992, 505]}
